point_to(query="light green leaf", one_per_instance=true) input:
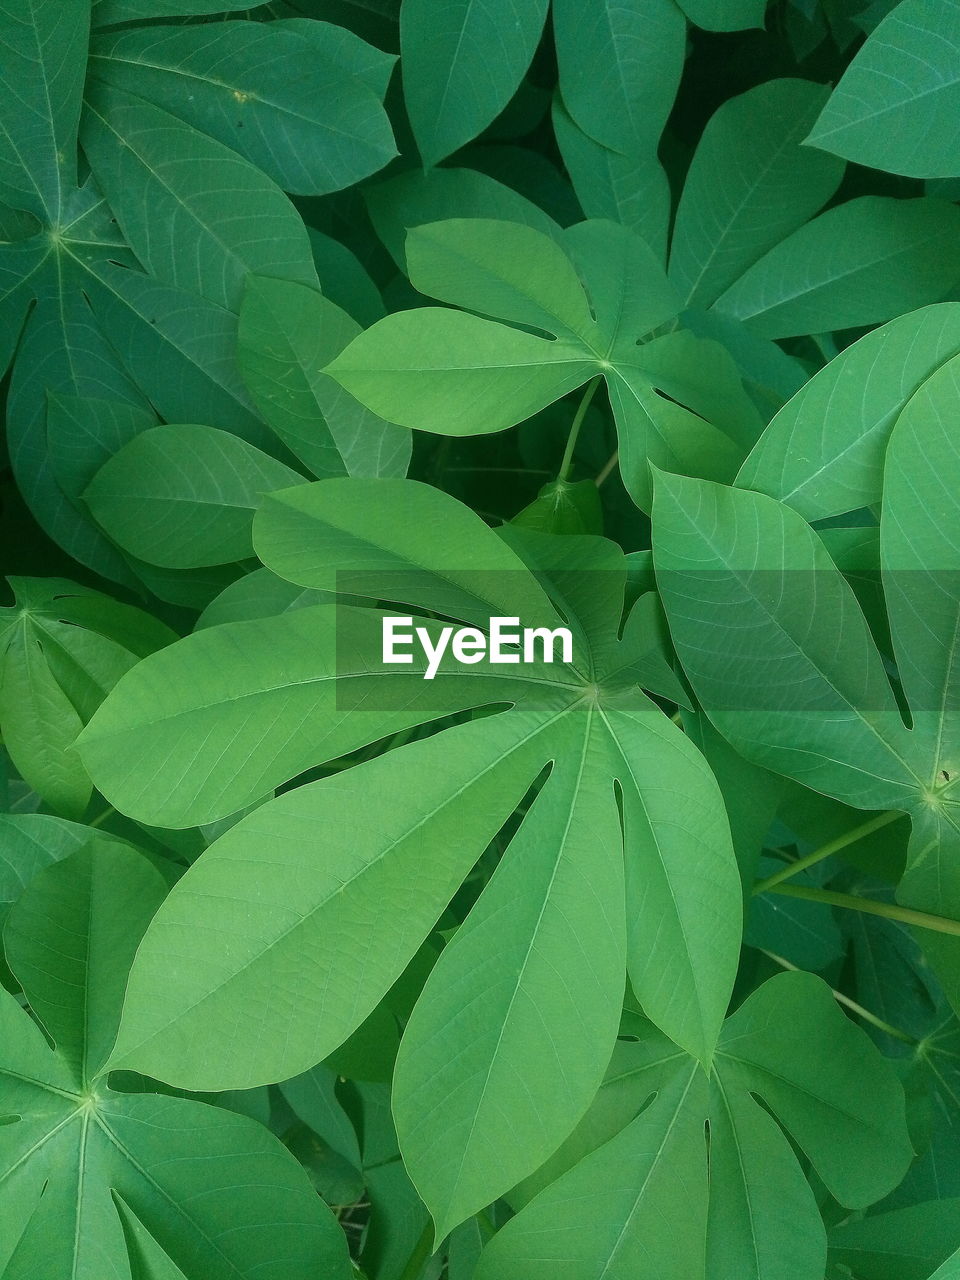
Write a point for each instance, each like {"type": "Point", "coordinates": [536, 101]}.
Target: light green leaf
{"type": "Point", "coordinates": [43, 47]}
{"type": "Point", "coordinates": [749, 185]}
{"type": "Point", "coordinates": [675, 397]}
{"type": "Point", "coordinates": [439, 370]}
{"type": "Point", "coordinates": [619, 69]}
{"type": "Point", "coordinates": [462, 64]}
{"type": "Point", "coordinates": [184, 496]}
{"type": "Point", "coordinates": [920, 551]}
{"type": "Point", "coordinates": [275, 682]}
{"type": "Point", "coordinates": [70, 940]}
{"type": "Point", "coordinates": [288, 334]}
{"type": "Point", "coordinates": [493, 1015]}
{"type": "Point", "coordinates": [644, 1197]}
{"type": "Point", "coordinates": [197, 215]}
{"type": "Point", "coordinates": [77, 1159]}
{"type": "Point", "coordinates": [796, 685]}
{"type": "Point", "coordinates": [822, 454]}
{"type": "Point", "coordinates": [411, 199]}
{"type": "Point", "coordinates": [897, 103]}
{"type": "Point", "coordinates": [282, 94]}
{"type": "Point", "coordinates": [857, 264]}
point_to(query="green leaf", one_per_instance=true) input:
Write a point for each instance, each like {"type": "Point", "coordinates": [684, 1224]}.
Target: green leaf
{"type": "Point", "coordinates": [83, 432]}
{"type": "Point", "coordinates": [563, 507]}
{"type": "Point", "coordinates": [631, 188]}
{"type": "Point", "coordinates": [108, 12]}
{"type": "Point", "coordinates": [678, 400]}
{"type": "Point", "coordinates": [857, 264]}
{"type": "Point", "coordinates": [644, 1198]}
{"type": "Point", "coordinates": [476, 1039]}
{"type": "Point", "coordinates": [288, 335]}
{"type": "Point", "coordinates": [197, 215]}
{"type": "Point", "coordinates": [61, 648]}
{"type": "Point", "coordinates": [619, 69]}
{"type": "Point", "coordinates": [725, 15]}
{"type": "Point", "coordinates": [184, 496]}
{"type": "Point", "coordinates": [412, 199]}
{"type": "Point", "coordinates": [900, 1245]}
{"type": "Point", "coordinates": [797, 685]}
{"type": "Point", "coordinates": [91, 1176]}
{"type": "Point", "coordinates": [44, 52]}
{"type": "Point", "coordinates": [896, 105]}
{"type": "Point", "coordinates": [289, 96]}
{"type": "Point", "coordinates": [462, 64]}
{"type": "Point", "coordinates": [750, 184]}
{"type": "Point", "coordinates": [70, 940]}
{"type": "Point", "coordinates": [442, 801]}
{"type": "Point", "coordinates": [822, 454]}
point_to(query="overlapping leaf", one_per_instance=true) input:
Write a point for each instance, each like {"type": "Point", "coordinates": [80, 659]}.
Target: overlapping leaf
{"type": "Point", "coordinates": [98, 1182]}
{"type": "Point", "coordinates": [798, 684]}
{"type": "Point", "coordinates": [197, 214]}
{"type": "Point", "coordinates": [703, 1183]}
{"type": "Point", "coordinates": [596, 299]}
{"type": "Point", "coordinates": [62, 647]}
{"type": "Point", "coordinates": [305, 918]}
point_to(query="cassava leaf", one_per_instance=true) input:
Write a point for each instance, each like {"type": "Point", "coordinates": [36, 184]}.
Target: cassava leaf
{"type": "Point", "coordinates": [79, 1161]}
{"type": "Point", "coordinates": [586, 723]}
{"type": "Point", "coordinates": [822, 454]}
{"type": "Point", "coordinates": [896, 105]}
{"type": "Point", "coordinates": [607, 1214]}
{"type": "Point", "coordinates": [462, 64]}
{"type": "Point", "coordinates": [674, 396]}
{"type": "Point", "coordinates": [185, 496]}
{"type": "Point", "coordinates": [301, 100]}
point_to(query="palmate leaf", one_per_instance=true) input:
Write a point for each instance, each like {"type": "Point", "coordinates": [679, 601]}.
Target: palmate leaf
{"type": "Point", "coordinates": [798, 685]}
{"type": "Point", "coordinates": [641, 1201]}
{"type": "Point", "coordinates": [456, 373]}
{"type": "Point", "coordinates": [97, 1182]}
{"type": "Point", "coordinates": [100, 328]}
{"type": "Point", "coordinates": [307, 917]}
{"type": "Point", "coordinates": [62, 646]}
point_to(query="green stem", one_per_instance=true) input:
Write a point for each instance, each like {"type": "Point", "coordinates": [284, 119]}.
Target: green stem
{"type": "Point", "coordinates": [575, 426]}
{"type": "Point", "coordinates": [421, 1252]}
{"type": "Point", "coordinates": [102, 817]}
{"type": "Point", "coordinates": [890, 910]}
{"type": "Point", "coordinates": [852, 1005]}
{"type": "Point", "coordinates": [608, 467]}
{"type": "Point", "coordinates": [826, 850]}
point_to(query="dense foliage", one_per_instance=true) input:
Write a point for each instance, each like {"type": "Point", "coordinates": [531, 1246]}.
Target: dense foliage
{"type": "Point", "coordinates": [638, 319]}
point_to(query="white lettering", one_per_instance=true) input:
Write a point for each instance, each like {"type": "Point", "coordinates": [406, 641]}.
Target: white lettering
{"type": "Point", "coordinates": [434, 652]}
{"type": "Point", "coordinates": [499, 637]}
{"type": "Point", "coordinates": [391, 640]}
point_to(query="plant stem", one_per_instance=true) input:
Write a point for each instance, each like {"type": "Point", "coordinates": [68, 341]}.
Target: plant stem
{"type": "Point", "coordinates": [102, 817]}
{"type": "Point", "coordinates": [852, 1005]}
{"type": "Point", "coordinates": [575, 426]}
{"type": "Point", "coordinates": [826, 850]}
{"type": "Point", "coordinates": [608, 467]}
{"type": "Point", "coordinates": [421, 1252]}
{"type": "Point", "coordinates": [890, 910]}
